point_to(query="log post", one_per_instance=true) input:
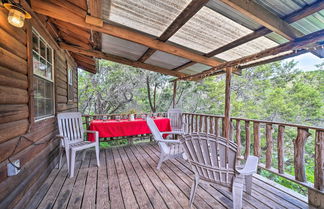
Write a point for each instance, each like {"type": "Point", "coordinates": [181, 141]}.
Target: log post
{"type": "Point", "coordinates": [281, 131]}
{"type": "Point", "coordinates": [174, 94]}
{"type": "Point", "coordinates": [269, 145]}
{"type": "Point", "coordinates": [299, 149]}
{"type": "Point", "coordinates": [319, 160]}
{"type": "Point", "coordinates": [227, 119]}
{"type": "Point", "coordinates": [247, 139]}
{"type": "Point", "coordinates": [217, 127]}
{"type": "Point", "coordinates": [256, 133]}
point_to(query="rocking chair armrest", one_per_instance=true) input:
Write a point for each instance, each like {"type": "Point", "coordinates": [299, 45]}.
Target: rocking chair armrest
{"type": "Point", "coordinates": [250, 166]}
{"type": "Point", "coordinates": [170, 132]}
{"type": "Point", "coordinates": [169, 141]}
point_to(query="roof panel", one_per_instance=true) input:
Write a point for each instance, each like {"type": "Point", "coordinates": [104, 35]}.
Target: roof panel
{"type": "Point", "coordinates": [151, 17]}
{"type": "Point", "coordinates": [248, 48]}
{"type": "Point", "coordinates": [166, 60]}
{"type": "Point", "coordinates": [311, 23]}
{"type": "Point", "coordinates": [121, 47]}
{"type": "Point", "coordinates": [208, 30]}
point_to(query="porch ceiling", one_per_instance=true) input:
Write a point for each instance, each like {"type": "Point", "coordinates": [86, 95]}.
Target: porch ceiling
{"type": "Point", "coordinates": [186, 36]}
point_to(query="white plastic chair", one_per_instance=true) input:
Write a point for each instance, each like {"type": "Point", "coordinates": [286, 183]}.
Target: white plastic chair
{"type": "Point", "coordinates": [207, 155]}
{"type": "Point", "coordinates": [72, 134]}
{"type": "Point", "coordinates": [177, 124]}
{"type": "Point", "coordinates": [169, 148]}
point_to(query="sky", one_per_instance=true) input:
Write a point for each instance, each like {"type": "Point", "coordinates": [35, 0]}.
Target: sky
{"type": "Point", "coordinates": [307, 62]}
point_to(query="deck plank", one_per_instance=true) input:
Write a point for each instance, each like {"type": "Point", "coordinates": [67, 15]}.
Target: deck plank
{"type": "Point", "coordinates": [153, 194]}
{"type": "Point", "coordinates": [128, 178]}
{"type": "Point", "coordinates": [140, 194]}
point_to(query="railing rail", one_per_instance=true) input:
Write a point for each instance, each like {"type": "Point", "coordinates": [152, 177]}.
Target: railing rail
{"type": "Point", "coordinates": [241, 130]}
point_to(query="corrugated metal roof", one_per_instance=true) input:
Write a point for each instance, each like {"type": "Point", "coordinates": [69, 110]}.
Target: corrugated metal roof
{"type": "Point", "coordinates": [166, 60]}
{"type": "Point", "coordinates": [121, 47]}
{"type": "Point", "coordinates": [215, 25]}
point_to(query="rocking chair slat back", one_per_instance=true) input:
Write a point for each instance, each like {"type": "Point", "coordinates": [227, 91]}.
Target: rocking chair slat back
{"type": "Point", "coordinates": [70, 126]}
{"type": "Point", "coordinates": [207, 155]}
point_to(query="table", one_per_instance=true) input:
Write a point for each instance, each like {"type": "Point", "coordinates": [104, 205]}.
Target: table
{"type": "Point", "coordinates": [124, 127]}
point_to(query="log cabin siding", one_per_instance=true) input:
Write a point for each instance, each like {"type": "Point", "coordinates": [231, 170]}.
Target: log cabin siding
{"type": "Point", "coordinates": [16, 111]}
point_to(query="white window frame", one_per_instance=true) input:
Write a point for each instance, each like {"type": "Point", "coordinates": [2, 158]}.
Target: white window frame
{"type": "Point", "coordinates": [34, 31]}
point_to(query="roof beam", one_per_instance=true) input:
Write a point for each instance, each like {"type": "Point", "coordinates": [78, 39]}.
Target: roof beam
{"type": "Point", "coordinates": [57, 12]}
{"type": "Point", "coordinates": [293, 17]}
{"type": "Point", "coordinates": [264, 17]}
{"type": "Point", "coordinates": [298, 43]}
{"type": "Point", "coordinates": [114, 58]}
{"type": "Point", "coordinates": [193, 7]}
{"type": "Point", "coordinates": [95, 7]}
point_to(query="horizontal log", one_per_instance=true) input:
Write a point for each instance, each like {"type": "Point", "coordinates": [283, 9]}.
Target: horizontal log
{"type": "Point", "coordinates": [12, 61]}
{"type": "Point", "coordinates": [61, 99]}
{"type": "Point", "coordinates": [63, 107]}
{"type": "Point", "coordinates": [10, 95]}
{"type": "Point", "coordinates": [61, 91]}
{"type": "Point", "coordinates": [13, 45]}
{"type": "Point", "coordinates": [7, 148]}
{"type": "Point", "coordinates": [10, 113]}
{"type": "Point", "coordinates": [61, 84]}
{"type": "Point", "coordinates": [12, 129]}
{"type": "Point", "coordinates": [12, 74]}
{"type": "Point", "coordinates": [13, 82]}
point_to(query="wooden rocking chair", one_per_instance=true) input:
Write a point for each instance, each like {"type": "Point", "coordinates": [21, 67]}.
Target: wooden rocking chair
{"type": "Point", "coordinates": [170, 148]}
{"type": "Point", "coordinates": [71, 131]}
{"type": "Point", "coordinates": [207, 155]}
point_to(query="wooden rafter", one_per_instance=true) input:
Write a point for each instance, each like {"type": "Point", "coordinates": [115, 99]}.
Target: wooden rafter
{"type": "Point", "coordinates": [95, 9]}
{"type": "Point", "coordinates": [298, 43]}
{"type": "Point", "coordinates": [282, 57]}
{"type": "Point", "coordinates": [122, 60]}
{"type": "Point", "coordinates": [264, 17]}
{"type": "Point", "coordinates": [57, 12]}
{"type": "Point", "coordinates": [193, 7]}
{"type": "Point", "coordinates": [293, 17]}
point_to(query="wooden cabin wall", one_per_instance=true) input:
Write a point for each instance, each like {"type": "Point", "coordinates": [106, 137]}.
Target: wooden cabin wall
{"type": "Point", "coordinates": [16, 112]}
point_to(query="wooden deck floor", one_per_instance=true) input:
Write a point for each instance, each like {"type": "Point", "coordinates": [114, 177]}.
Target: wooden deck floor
{"type": "Point", "coordinates": [128, 179]}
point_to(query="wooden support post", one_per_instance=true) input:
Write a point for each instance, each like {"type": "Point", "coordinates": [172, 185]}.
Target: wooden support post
{"type": "Point", "coordinates": [247, 139]}
{"type": "Point", "coordinates": [281, 131]}
{"type": "Point", "coordinates": [227, 119]}
{"type": "Point", "coordinates": [269, 145]}
{"type": "Point", "coordinates": [174, 94]}
{"type": "Point", "coordinates": [256, 133]}
{"type": "Point", "coordinates": [319, 161]}
{"type": "Point", "coordinates": [217, 127]}
{"type": "Point", "coordinates": [299, 150]}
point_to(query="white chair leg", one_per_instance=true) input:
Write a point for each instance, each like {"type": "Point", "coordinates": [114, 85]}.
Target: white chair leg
{"type": "Point", "coordinates": [248, 184]}
{"type": "Point", "coordinates": [193, 190]}
{"type": "Point", "coordinates": [162, 157]}
{"type": "Point", "coordinates": [237, 191]}
{"type": "Point", "coordinates": [72, 163]}
{"type": "Point", "coordinates": [97, 155]}
{"type": "Point", "coordinates": [67, 154]}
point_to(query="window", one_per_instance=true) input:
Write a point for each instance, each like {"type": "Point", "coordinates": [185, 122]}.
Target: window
{"type": "Point", "coordinates": [43, 77]}
{"type": "Point", "coordinates": [70, 85]}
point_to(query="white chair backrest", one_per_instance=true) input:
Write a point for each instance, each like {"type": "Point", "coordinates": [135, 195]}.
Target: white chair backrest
{"type": "Point", "coordinates": [175, 116]}
{"type": "Point", "coordinates": [154, 129]}
{"type": "Point", "coordinates": [207, 155]}
{"type": "Point", "coordinates": [70, 126]}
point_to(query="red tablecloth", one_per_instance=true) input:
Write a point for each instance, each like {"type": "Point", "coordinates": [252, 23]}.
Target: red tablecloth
{"type": "Point", "coordinates": [114, 128]}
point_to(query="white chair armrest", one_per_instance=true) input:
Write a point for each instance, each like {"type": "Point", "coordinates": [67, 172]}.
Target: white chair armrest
{"type": "Point", "coordinates": [93, 132]}
{"type": "Point", "coordinates": [250, 166]}
{"type": "Point", "coordinates": [170, 132]}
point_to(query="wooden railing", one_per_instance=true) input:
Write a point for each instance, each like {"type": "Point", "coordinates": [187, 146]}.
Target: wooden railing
{"type": "Point", "coordinates": [248, 135]}
{"type": "Point", "coordinates": [265, 139]}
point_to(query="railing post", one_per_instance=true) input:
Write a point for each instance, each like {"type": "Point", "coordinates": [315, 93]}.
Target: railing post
{"type": "Point", "coordinates": [247, 139]}
{"type": "Point", "coordinates": [256, 134]}
{"type": "Point", "coordinates": [319, 160]}
{"type": "Point", "coordinates": [299, 150]}
{"type": "Point", "coordinates": [281, 131]}
{"type": "Point", "coordinates": [217, 127]}
{"type": "Point", "coordinates": [269, 145]}
{"type": "Point", "coordinates": [238, 137]}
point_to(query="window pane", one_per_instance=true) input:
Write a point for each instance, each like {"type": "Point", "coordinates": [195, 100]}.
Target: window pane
{"type": "Point", "coordinates": [41, 107]}
{"type": "Point", "coordinates": [40, 88]}
{"type": "Point", "coordinates": [49, 107]}
{"type": "Point", "coordinates": [35, 42]}
{"type": "Point", "coordinates": [49, 90]}
{"type": "Point", "coordinates": [49, 71]}
{"type": "Point", "coordinates": [42, 49]}
{"type": "Point", "coordinates": [42, 67]}
{"type": "Point", "coordinates": [36, 64]}
{"type": "Point", "coordinates": [49, 55]}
